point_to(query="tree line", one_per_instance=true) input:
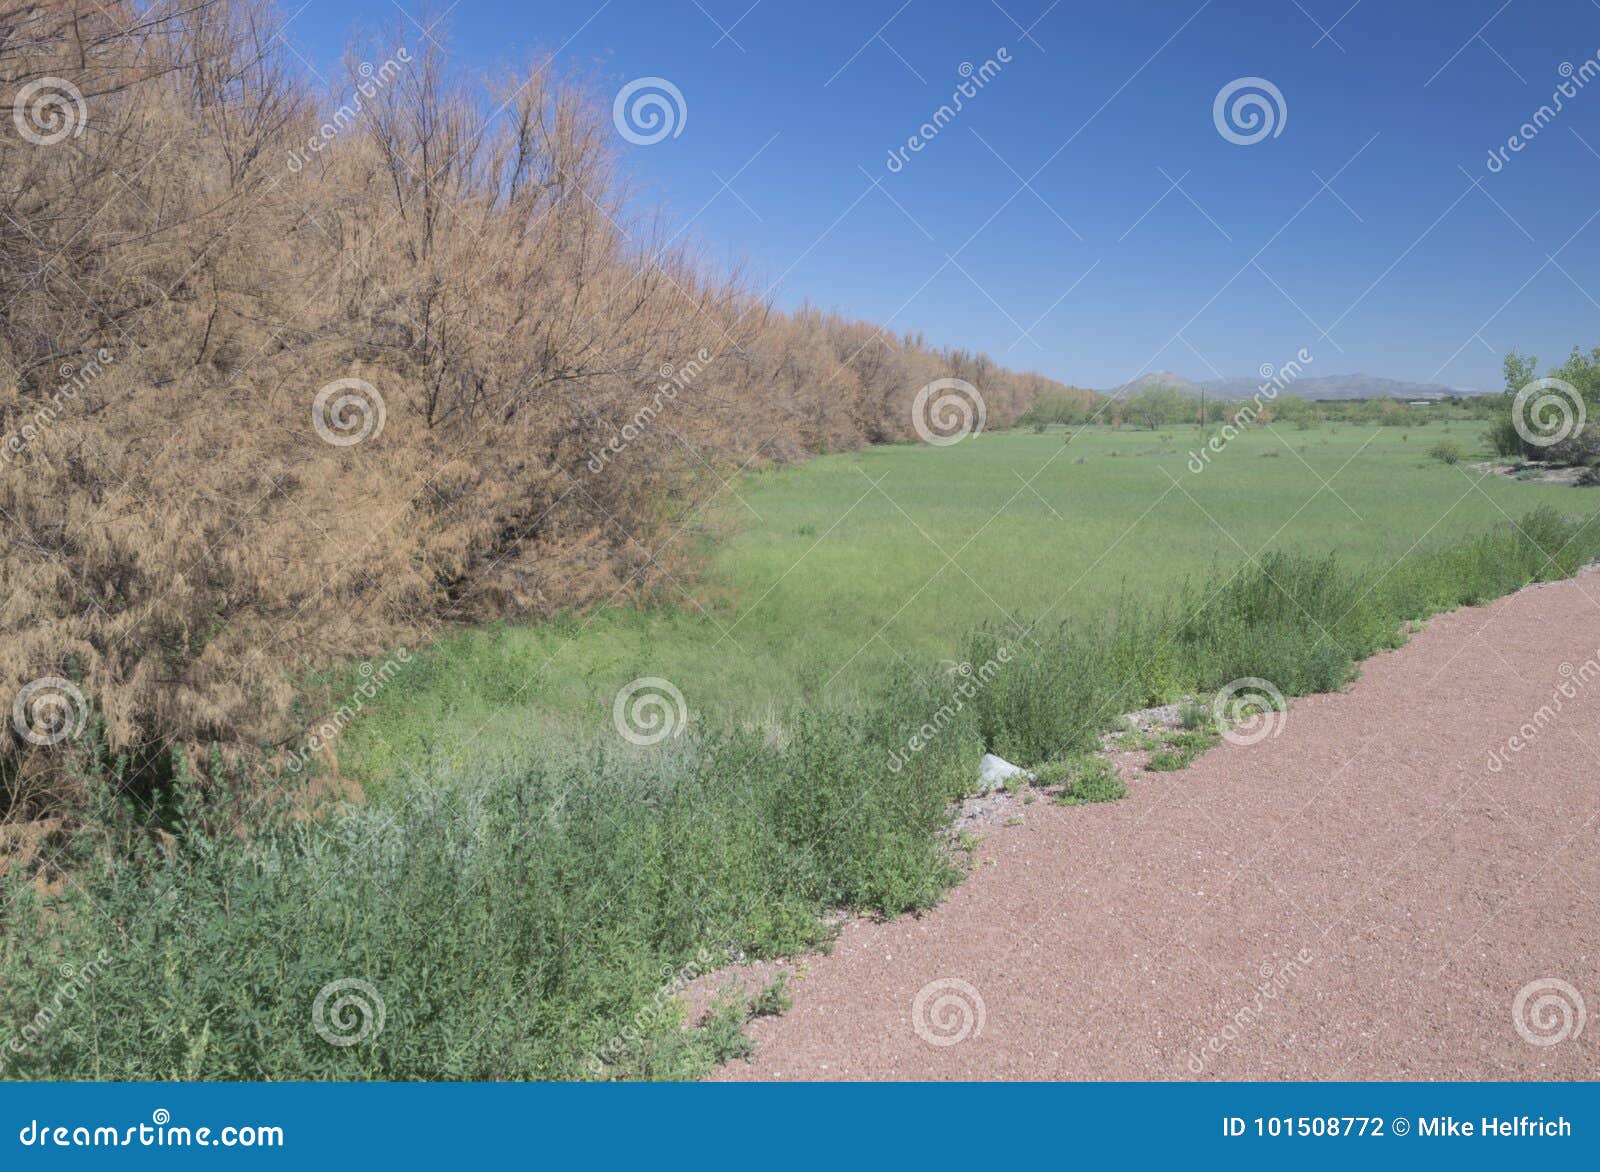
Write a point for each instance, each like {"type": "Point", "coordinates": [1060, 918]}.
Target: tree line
{"type": "Point", "coordinates": [289, 376]}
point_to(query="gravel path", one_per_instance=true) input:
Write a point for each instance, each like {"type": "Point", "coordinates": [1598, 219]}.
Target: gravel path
{"type": "Point", "coordinates": [1359, 897]}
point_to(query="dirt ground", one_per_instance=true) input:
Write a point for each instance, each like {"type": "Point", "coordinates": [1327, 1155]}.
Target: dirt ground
{"type": "Point", "coordinates": [1386, 889]}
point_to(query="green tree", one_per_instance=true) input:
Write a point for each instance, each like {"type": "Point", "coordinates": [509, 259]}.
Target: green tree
{"type": "Point", "coordinates": [1581, 371]}
{"type": "Point", "coordinates": [1292, 409]}
{"type": "Point", "coordinates": [1158, 405]}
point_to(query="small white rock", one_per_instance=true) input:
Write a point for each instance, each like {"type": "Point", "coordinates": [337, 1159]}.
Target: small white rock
{"type": "Point", "coordinates": [994, 772]}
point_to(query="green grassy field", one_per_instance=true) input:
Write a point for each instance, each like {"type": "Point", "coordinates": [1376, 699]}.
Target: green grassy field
{"type": "Point", "coordinates": [527, 904]}
{"type": "Point", "coordinates": [841, 566]}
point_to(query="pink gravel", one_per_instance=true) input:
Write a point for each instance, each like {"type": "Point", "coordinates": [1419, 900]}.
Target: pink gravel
{"type": "Point", "coordinates": [1359, 897]}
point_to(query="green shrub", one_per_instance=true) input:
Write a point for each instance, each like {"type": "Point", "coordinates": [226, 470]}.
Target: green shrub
{"type": "Point", "coordinates": [1094, 779]}
{"type": "Point", "coordinates": [1081, 778]}
{"type": "Point", "coordinates": [1503, 438]}
{"type": "Point", "coordinates": [1301, 622]}
{"type": "Point", "coordinates": [1040, 707]}
{"type": "Point", "coordinates": [1053, 773]}
{"type": "Point", "coordinates": [1182, 746]}
{"type": "Point", "coordinates": [524, 922]}
{"type": "Point", "coordinates": [536, 917]}
{"type": "Point", "coordinates": [1447, 451]}
{"type": "Point", "coordinates": [773, 999]}
{"type": "Point", "coordinates": [1579, 448]}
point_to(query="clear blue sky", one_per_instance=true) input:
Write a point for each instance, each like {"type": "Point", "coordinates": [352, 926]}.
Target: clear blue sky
{"type": "Point", "coordinates": [1402, 268]}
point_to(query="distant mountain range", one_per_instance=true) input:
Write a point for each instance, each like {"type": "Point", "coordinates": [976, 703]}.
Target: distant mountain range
{"type": "Point", "coordinates": [1329, 386]}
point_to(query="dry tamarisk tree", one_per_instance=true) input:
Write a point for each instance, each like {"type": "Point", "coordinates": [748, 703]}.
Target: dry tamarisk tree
{"type": "Point", "coordinates": [288, 375]}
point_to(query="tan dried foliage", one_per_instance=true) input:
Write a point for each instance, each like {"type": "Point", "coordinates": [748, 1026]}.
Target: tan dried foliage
{"type": "Point", "coordinates": [564, 384]}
